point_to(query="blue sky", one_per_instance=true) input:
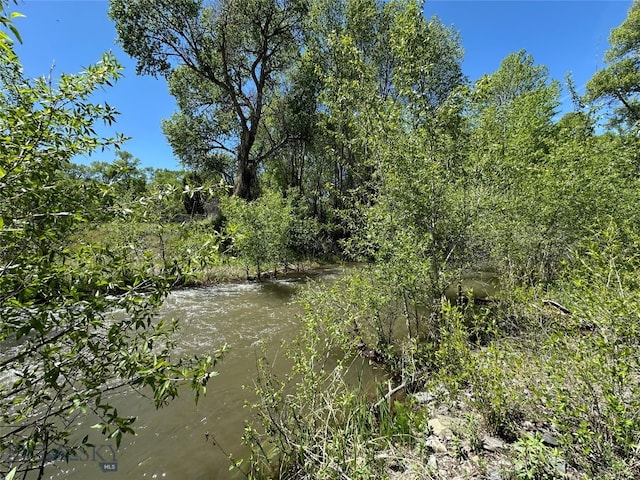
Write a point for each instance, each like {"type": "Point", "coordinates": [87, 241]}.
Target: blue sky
{"type": "Point", "coordinates": [67, 35]}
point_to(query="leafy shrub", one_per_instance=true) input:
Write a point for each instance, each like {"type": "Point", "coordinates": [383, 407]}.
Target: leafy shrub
{"type": "Point", "coordinates": [64, 352]}
{"type": "Point", "coordinates": [595, 396]}
{"type": "Point", "coordinates": [533, 460]}
{"type": "Point", "coordinates": [259, 230]}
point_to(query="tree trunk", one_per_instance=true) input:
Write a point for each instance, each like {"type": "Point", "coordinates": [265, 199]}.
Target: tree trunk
{"type": "Point", "coordinates": [246, 185]}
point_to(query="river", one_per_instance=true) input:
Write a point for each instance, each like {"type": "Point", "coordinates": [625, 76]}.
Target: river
{"type": "Point", "coordinates": [172, 443]}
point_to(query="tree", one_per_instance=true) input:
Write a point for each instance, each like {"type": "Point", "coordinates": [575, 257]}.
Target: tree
{"type": "Point", "coordinates": [357, 55]}
{"type": "Point", "coordinates": [517, 102]}
{"type": "Point", "coordinates": [223, 61]}
{"type": "Point", "coordinates": [394, 132]}
{"type": "Point", "coordinates": [619, 82]}
{"type": "Point", "coordinates": [259, 230]}
{"type": "Point", "coordinates": [126, 175]}
{"type": "Point", "coordinates": [62, 352]}
{"type": "Point", "coordinates": [428, 61]}
{"type": "Point", "coordinates": [123, 175]}
{"type": "Point", "coordinates": [511, 131]}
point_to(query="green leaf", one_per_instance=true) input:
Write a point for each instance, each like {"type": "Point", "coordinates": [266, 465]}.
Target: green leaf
{"type": "Point", "coordinates": [15, 32]}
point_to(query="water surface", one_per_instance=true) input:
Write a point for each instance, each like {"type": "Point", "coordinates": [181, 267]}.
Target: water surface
{"type": "Point", "coordinates": [172, 443]}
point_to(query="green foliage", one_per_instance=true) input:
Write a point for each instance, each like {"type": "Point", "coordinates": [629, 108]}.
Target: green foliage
{"type": "Point", "coordinates": [501, 401]}
{"type": "Point", "coordinates": [534, 460]}
{"type": "Point", "coordinates": [453, 356]}
{"type": "Point", "coordinates": [306, 233]}
{"type": "Point", "coordinates": [355, 313]}
{"type": "Point", "coordinates": [76, 320]}
{"type": "Point", "coordinates": [428, 61]}
{"type": "Point", "coordinates": [259, 230]}
{"type": "Point", "coordinates": [151, 232]}
{"type": "Point", "coordinates": [318, 421]}
{"type": "Point", "coordinates": [323, 428]}
{"type": "Point", "coordinates": [363, 118]}
{"type": "Point", "coordinates": [597, 395]}
{"type": "Point", "coordinates": [511, 113]}
{"type": "Point", "coordinates": [430, 179]}
{"type": "Point", "coordinates": [6, 20]}
{"type": "Point", "coordinates": [124, 175]}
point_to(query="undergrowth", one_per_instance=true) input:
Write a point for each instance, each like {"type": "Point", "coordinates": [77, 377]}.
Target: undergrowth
{"type": "Point", "coordinates": [562, 360]}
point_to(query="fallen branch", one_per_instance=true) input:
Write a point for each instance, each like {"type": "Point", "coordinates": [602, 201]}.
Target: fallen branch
{"type": "Point", "coordinates": [390, 394]}
{"type": "Point", "coordinates": [562, 308]}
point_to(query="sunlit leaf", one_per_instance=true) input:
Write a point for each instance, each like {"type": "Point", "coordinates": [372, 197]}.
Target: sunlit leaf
{"type": "Point", "coordinates": [12, 473]}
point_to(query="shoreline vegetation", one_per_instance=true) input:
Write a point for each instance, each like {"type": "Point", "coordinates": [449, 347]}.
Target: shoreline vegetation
{"type": "Point", "coordinates": [525, 387]}
{"type": "Point", "coordinates": [333, 130]}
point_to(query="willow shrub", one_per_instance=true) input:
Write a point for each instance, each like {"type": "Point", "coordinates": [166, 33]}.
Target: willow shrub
{"type": "Point", "coordinates": [315, 422]}
{"type": "Point", "coordinates": [148, 235]}
{"type": "Point", "coordinates": [576, 373]}
{"type": "Point", "coordinates": [259, 230]}
{"type": "Point", "coordinates": [329, 417]}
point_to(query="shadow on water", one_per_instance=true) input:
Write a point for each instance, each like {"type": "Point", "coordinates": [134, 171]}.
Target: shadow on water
{"type": "Point", "coordinates": [286, 286]}
{"type": "Point", "coordinates": [282, 290]}
{"type": "Point", "coordinates": [479, 284]}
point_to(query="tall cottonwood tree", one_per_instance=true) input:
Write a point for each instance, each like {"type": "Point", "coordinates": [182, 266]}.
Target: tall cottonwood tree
{"type": "Point", "coordinates": [427, 61]}
{"type": "Point", "coordinates": [342, 40]}
{"type": "Point", "coordinates": [359, 54]}
{"type": "Point", "coordinates": [619, 82]}
{"type": "Point", "coordinates": [407, 118]}
{"type": "Point", "coordinates": [224, 60]}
